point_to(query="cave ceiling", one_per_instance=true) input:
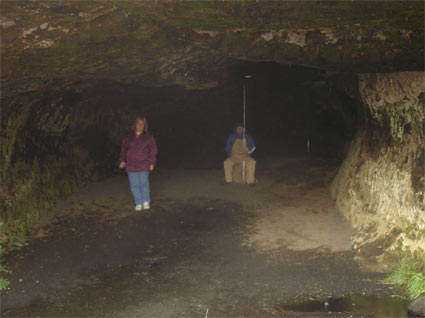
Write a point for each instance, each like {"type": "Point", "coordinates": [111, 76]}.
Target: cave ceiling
{"type": "Point", "coordinates": [190, 43]}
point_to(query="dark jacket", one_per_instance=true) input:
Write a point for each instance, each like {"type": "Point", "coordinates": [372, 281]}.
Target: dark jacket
{"type": "Point", "coordinates": [138, 153]}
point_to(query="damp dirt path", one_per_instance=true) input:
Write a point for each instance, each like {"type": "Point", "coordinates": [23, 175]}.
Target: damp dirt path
{"type": "Point", "coordinates": [231, 250]}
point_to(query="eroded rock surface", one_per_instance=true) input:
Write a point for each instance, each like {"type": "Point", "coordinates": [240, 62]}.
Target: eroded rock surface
{"type": "Point", "coordinates": [417, 307]}
{"type": "Point", "coordinates": [380, 187]}
{"type": "Point", "coordinates": [187, 42]}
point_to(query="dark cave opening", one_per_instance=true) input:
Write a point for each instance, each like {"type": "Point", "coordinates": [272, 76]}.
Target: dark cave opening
{"type": "Point", "coordinates": [290, 111]}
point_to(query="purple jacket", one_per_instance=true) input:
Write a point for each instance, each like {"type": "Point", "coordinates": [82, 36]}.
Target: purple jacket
{"type": "Point", "coordinates": [138, 153]}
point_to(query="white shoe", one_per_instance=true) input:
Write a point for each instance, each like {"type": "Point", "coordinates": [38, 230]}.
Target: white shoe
{"type": "Point", "coordinates": [138, 207]}
{"type": "Point", "coordinates": [146, 206]}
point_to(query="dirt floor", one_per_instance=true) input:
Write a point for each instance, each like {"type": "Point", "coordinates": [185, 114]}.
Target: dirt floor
{"type": "Point", "coordinates": [205, 249]}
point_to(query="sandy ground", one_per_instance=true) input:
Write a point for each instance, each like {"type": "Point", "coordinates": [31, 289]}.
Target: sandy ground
{"type": "Point", "coordinates": [233, 250]}
{"type": "Point", "coordinates": [291, 202]}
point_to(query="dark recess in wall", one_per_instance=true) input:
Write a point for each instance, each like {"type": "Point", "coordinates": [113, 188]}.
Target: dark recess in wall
{"type": "Point", "coordinates": [286, 106]}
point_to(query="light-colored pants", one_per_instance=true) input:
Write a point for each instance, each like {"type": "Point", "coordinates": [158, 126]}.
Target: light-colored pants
{"type": "Point", "coordinates": [139, 186]}
{"type": "Point", "coordinates": [250, 168]}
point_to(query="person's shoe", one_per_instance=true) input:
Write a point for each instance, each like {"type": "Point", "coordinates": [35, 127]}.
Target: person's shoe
{"type": "Point", "coordinates": [138, 207]}
{"type": "Point", "coordinates": [146, 206]}
{"type": "Point", "coordinates": [225, 182]}
{"type": "Point", "coordinates": [251, 184]}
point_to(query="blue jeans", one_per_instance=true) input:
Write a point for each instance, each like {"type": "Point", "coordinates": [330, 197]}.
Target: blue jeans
{"type": "Point", "coordinates": [139, 186]}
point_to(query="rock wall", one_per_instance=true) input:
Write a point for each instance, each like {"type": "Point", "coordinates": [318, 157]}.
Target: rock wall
{"type": "Point", "coordinates": [381, 185]}
{"type": "Point", "coordinates": [51, 144]}
{"type": "Point", "coordinates": [189, 43]}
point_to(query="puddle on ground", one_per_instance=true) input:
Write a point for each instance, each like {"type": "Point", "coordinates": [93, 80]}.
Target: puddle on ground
{"type": "Point", "coordinates": [385, 306]}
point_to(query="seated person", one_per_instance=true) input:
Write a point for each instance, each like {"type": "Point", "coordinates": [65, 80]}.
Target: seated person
{"type": "Point", "coordinates": [239, 149]}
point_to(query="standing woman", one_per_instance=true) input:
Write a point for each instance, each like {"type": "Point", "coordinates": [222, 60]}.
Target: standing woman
{"type": "Point", "coordinates": [138, 155]}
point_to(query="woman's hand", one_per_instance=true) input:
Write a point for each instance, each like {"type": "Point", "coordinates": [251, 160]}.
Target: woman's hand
{"type": "Point", "coordinates": [122, 164]}
{"type": "Point", "coordinates": [151, 167]}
